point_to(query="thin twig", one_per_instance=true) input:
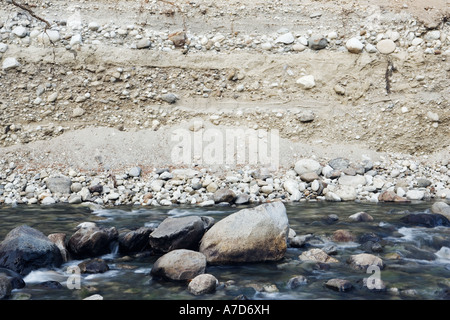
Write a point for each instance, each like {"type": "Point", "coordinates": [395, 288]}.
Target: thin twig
{"type": "Point", "coordinates": [31, 12]}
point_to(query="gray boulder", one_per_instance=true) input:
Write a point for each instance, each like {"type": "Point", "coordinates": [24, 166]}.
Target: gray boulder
{"type": "Point", "coordinates": [179, 233]}
{"type": "Point", "coordinates": [339, 163]}
{"type": "Point", "coordinates": [249, 235]}
{"type": "Point", "coordinates": [59, 185]}
{"type": "Point", "coordinates": [25, 249]}
{"type": "Point", "coordinates": [179, 265]}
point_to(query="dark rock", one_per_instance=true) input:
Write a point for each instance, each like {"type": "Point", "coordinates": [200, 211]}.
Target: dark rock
{"type": "Point", "coordinates": [371, 246]}
{"type": "Point", "coordinates": [135, 240]}
{"type": "Point", "coordinates": [412, 252]}
{"type": "Point", "coordinates": [92, 241]}
{"type": "Point", "coordinates": [51, 284]}
{"type": "Point", "coordinates": [331, 218]}
{"type": "Point", "coordinates": [224, 195]}
{"type": "Point", "coordinates": [330, 249]}
{"type": "Point", "coordinates": [370, 236]}
{"type": "Point", "coordinates": [25, 249]}
{"type": "Point", "coordinates": [5, 286]}
{"type": "Point", "coordinates": [428, 220]}
{"type": "Point", "coordinates": [16, 279]}
{"type": "Point", "coordinates": [93, 266]}
{"type": "Point", "coordinates": [178, 233]}
{"type": "Point", "coordinates": [97, 188]}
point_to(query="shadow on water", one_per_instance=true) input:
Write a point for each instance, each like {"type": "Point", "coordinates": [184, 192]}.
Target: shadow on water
{"type": "Point", "coordinates": [413, 269]}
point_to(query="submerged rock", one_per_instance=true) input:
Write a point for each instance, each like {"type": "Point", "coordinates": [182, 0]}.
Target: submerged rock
{"type": "Point", "coordinates": [93, 266]}
{"type": "Point", "coordinates": [363, 260]}
{"type": "Point", "coordinates": [340, 285]}
{"type": "Point", "coordinates": [317, 255]}
{"type": "Point", "coordinates": [15, 278]}
{"type": "Point", "coordinates": [249, 235]}
{"type": "Point", "coordinates": [428, 220]}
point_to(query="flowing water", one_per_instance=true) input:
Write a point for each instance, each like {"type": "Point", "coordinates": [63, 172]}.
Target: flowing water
{"type": "Point", "coordinates": [417, 259]}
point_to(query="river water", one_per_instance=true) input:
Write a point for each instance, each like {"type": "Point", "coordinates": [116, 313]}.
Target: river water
{"type": "Point", "coordinates": [417, 265]}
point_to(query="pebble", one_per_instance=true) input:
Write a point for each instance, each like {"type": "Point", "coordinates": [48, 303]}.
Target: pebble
{"type": "Point", "coordinates": [3, 47]}
{"type": "Point", "coordinates": [353, 45]}
{"type": "Point", "coordinates": [10, 63]}
{"type": "Point", "coordinates": [76, 39]}
{"type": "Point", "coordinates": [306, 82]}
{"type": "Point", "coordinates": [386, 46]}
{"type": "Point", "coordinates": [286, 38]}
{"type": "Point", "coordinates": [20, 31]}
{"type": "Point", "coordinates": [169, 98]}
{"type": "Point", "coordinates": [78, 112]}
{"type": "Point", "coordinates": [143, 43]}
{"type": "Point", "coordinates": [317, 42]}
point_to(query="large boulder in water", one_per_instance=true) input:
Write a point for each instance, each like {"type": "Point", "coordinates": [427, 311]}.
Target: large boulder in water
{"type": "Point", "coordinates": [428, 220]}
{"type": "Point", "coordinates": [91, 241]}
{"type": "Point", "coordinates": [179, 233]}
{"type": "Point", "coordinates": [179, 265]}
{"type": "Point", "coordinates": [249, 235]}
{"type": "Point", "coordinates": [25, 249]}
{"type": "Point", "coordinates": [135, 240]}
